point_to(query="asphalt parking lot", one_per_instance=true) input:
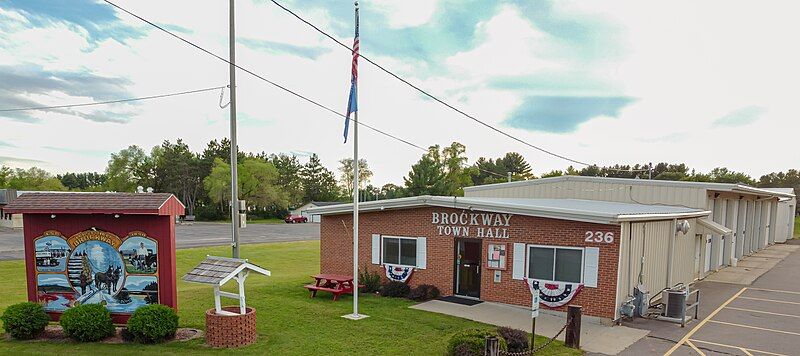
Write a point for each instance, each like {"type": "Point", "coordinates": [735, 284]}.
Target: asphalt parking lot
{"type": "Point", "coordinates": [195, 235]}
{"type": "Point", "coordinates": [762, 318]}
{"type": "Point", "coordinates": [755, 321]}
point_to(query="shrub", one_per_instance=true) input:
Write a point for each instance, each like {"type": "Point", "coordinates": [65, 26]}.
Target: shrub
{"type": "Point", "coordinates": [25, 321]}
{"type": "Point", "coordinates": [395, 289]}
{"type": "Point", "coordinates": [87, 322]}
{"type": "Point", "coordinates": [471, 340]}
{"type": "Point", "coordinates": [424, 292]}
{"type": "Point", "coordinates": [371, 281]}
{"type": "Point", "coordinates": [517, 340]}
{"type": "Point", "coordinates": [153, 323]}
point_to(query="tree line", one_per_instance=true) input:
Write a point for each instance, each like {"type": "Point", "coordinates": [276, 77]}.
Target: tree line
{"type": "Point", "coordinates": [272, 184]}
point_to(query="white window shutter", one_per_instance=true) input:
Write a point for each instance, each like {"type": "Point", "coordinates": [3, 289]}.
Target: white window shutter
{"type": "Point", "coordinates": [376, 249]}
{"type": "Point", "coordinates": [591, 265]}
{"type": "Point", "coordinates": [422, 253]}
{"type": "Point", "coordinates": [518, 270]}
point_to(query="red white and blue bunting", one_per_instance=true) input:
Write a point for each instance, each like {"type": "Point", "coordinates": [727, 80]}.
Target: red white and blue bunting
{"type": "Point", "coordinates": [397, 273]}
{"type": "Point", "coordinates": [553, 294]}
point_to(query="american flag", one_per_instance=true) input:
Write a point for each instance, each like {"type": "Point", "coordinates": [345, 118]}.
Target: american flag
{"type": "Point", "coordinates": [352, 102]}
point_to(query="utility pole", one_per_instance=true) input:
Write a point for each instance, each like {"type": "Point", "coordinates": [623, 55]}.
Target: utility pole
{"type": "Point", "coordinates": [234, 147]}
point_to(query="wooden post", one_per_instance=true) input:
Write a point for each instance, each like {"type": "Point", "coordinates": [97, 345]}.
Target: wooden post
{"type": "Point", "coordinates": [492, 347]}
{"type": "Point", "coordinates": [573, 337]}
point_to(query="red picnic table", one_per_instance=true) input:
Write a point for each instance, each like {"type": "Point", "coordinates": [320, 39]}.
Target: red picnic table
{"type": "Point", "coordinates": [334, 283]}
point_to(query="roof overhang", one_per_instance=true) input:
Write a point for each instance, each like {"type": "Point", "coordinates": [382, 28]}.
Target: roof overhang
{"type": "Point", "coordinates": [710, 227]}
{"type": "Point", "coordinates": [502, 207]}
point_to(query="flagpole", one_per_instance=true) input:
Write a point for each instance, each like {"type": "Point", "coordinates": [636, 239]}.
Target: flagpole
{"type": "Point", "coordinates": [354, 98]}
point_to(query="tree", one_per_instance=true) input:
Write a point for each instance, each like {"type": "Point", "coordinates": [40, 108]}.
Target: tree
{"type": "Point", "coordinates": [5, 176]}
{"type": "Point", "coordinates": [488, 171]}
{"type": "Point", "coordinates": [790, 179]}
{"type": "Point", "coordinates": [89, 181]}
{"type": "Point", "coordinates": [453, 159]}
{"type": "Point", "coordinates": [553, 173]}
{"type": "Point", "coordinates": [724, 175]}
{"type": "Point", "coordinates": [33, 179]}
{"type": "Point", "coordinates": [346, 170]}
{"type": "Point", "coordinates": [289, 178]}
{"type": "Point", "coordinates": [319, 183]}
{"type": "Point", "coordinates": [427, 176]}
{"type": "Point", "coordinates": [257, 185]}
{"type": "Point", "coordinates": [177, 170]}
{"type": "Point", "coordinates": [392, 191]}
{"type": "Point", "coordinates": [129, 168]}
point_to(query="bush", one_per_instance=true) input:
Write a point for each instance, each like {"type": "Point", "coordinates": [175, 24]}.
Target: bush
{"type": "Point", "coordinates": [395, 289]}
{"type": "Point", "coordinates": [471, 340]}
{"type": "Point", "coordinates": [87, 322]}
{"type": "Point", "coordinates": [25, 321]}
{"type": "Point", "coordinates": [371, 281]}
{"type": "Point", "coordinates": [517, 340]}
{"type": "Point", "coordinates": [424, 292]}
{"type": "Point", "coordinates": [153, 323]}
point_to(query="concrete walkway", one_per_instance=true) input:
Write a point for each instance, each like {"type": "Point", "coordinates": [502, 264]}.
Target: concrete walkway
{"type": "Point", "coordinates": [595, 337]}
{"type": "Point", "coordinates": [749, 268]}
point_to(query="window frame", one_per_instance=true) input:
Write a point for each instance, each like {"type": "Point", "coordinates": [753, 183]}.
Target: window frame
{"type": "Point", "coordinates": [528, 248]}
{"type": "Point", "coordinates": [399, 250]}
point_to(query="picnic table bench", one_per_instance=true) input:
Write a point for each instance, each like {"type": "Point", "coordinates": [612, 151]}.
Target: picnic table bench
{"type": "Point", "coordinates": [334, 283]}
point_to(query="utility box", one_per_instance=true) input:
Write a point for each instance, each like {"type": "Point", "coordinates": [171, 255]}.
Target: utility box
{"type": "Point", "coordinates": [113, 249]}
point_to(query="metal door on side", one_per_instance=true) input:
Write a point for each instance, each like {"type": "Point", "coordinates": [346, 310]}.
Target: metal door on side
{"type": "Point", "coordinates": [468, 268]}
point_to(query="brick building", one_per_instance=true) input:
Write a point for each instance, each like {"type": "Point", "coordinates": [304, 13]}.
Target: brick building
{"type": "Point", "coordinates": [578, 251]}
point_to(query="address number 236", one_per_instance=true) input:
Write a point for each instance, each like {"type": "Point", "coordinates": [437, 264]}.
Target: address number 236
{"type": "Point", "coordinates": [598, 236]}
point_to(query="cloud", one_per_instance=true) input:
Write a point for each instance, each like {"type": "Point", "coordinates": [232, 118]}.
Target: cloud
{"type": "Point", "coordinates": [4, 144]}
{"type": "Point", "coordinates": [740, 117]}
{"type": "Point", "coordinates": [277, 47]}
{"type": "Point", "coordinates": [7, 159]}
{"type": "Point", "coordinates": [408, 13]}
{"type": "Point", "coordinates": [32, 86]}
{"type": "Point", "coordinates": [563, 114]}
{"type": "Point", "coordinates": [79, 151]}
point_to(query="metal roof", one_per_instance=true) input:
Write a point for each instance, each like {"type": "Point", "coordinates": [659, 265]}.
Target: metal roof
{"type": "Point", "coordinates": [725, 187]}
{"type": "Point", "coordinates": [568, 209]}
{"type": "Point", "coordinates": [96, 203]}
{"type": "Point", "coordinates": [219, 270]}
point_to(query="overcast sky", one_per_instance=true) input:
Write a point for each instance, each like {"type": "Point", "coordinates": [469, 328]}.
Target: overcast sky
{"type": "Point", "coordinates": [711, 83]}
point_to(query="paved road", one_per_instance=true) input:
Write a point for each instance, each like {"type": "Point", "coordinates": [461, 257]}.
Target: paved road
{"type": "Point", "coordinates": [194, 235]}
{"type": "Point", "coordinates": [758, 319]}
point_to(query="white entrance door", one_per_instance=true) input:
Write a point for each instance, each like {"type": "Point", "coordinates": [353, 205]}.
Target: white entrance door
{"type": "Point", "coordinates": [707, 259]}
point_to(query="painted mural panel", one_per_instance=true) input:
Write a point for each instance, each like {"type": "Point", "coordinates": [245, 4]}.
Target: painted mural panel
{"type": "Point", "coordinates": [97, 267]}
{"type": "Point", "coordinates": [51, 252]}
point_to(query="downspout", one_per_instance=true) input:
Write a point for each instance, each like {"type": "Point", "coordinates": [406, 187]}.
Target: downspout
{"type": "Point", "coordinates": [671, 252]}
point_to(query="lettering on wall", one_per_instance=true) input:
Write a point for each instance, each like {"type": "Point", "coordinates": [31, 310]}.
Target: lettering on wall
{"type": "Point", "coordinates": [477, 225]}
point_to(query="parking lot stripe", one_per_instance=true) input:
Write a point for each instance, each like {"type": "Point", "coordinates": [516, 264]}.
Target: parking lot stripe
{"type": "Point", "coordinates": [763, 312]}
{"type": "Point", "coordinates": [773, 290]}
{"type": "Point", "coordinates": [745, 350]}
{"type": "Point", "coordinates": [770, 300]}
{"type": "Point", "coordinates": [703, 322]}
{"type": "Point", "coordinates": [754, 327]}
{"type": "Point", "coordinates": [701, 353]}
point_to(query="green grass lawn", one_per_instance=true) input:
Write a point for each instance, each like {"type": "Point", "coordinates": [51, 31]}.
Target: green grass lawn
{"type": "Point", "coordinates": [797, 227]}
{"type": "Point", "coordinates": [289, 322]}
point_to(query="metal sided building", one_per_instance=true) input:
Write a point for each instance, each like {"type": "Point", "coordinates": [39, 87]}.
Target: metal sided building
{"type": "Point", "coordinates": [741, 222]}
{"type": "Point", "coordinates": [787, 210]}
{"type": "Point", "coordinates": [576, 251]}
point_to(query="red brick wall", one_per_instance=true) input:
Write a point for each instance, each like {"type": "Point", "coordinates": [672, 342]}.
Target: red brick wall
{"type": "Point", "coordinates": [336, 253]}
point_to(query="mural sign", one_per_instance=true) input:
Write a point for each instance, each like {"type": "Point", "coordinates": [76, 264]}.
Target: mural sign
{"type": "Point", "coordinates": [96, 267]}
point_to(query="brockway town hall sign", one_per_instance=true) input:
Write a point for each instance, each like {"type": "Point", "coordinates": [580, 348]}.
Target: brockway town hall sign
{"type": "Point", "coordinates": [478, 225]}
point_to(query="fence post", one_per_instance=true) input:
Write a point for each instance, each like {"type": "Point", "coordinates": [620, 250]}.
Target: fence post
{"type": "Point", "coordinates": [492, 347]}
{"type": "Point", "coordinates": [573, 337]}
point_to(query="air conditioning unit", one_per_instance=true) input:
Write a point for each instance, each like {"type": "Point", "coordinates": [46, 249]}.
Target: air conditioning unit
{"type": "Point", "coordinates": [674, 300]}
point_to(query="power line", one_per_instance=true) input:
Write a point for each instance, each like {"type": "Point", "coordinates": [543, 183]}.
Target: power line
{"type": "Point", "coordinates": [112, 101]}
{"type": "Point", "coordinates": [473, 118]}
{"type": "Point", "coordinates": [279, 86]}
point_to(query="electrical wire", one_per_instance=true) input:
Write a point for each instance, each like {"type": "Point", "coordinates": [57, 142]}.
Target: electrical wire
{"type": "Point", "coordinates": [275, 84]}
{"type": "Point", "coordinates": [429, 95]}
{"type": "Point", "coordinates": [112, 101]}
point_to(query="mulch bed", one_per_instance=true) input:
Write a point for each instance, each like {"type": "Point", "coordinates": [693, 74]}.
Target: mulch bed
{"type": "Point", "coordinates": [54, 333]}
